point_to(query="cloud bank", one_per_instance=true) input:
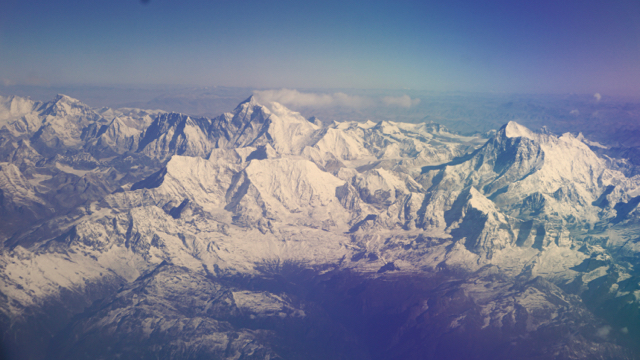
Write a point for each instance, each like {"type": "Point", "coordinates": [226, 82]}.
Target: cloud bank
{"type": "Point", "coordinates": [401, 101]}
{"type": "Point", "coordinates": [295, 98]}
{"type": "Point", "coordinates": [299, 99]}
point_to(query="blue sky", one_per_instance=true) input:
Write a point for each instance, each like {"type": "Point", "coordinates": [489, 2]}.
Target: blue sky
{"type": "Point", "coordinates": [565, 46]}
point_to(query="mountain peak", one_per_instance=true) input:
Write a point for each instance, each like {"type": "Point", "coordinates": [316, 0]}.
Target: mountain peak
{"type": "Point", "coordinates": [65, 99]}
{"type": "Point", "coordinates": [250, 101]}
{"type": "Point", "coordinates": [247, 106]}
{"type": "Point", "coordinates": [513, 130]}
{"type": "Point", "coordinates": [62, 105]}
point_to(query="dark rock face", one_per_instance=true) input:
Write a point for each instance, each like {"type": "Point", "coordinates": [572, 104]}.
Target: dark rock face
{"type": "Point", "coordinates": [167, 313]}
{"type": "Point", "coordinates": [172, 312]}
{"type": "Point", "coordinates": [30, 336]}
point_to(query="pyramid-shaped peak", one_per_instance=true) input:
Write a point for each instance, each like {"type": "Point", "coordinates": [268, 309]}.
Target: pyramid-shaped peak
{"type": "Point", "coordinates": [65, 98]}
{"type": "Point", "coordinates": [387, 127]}
{"type": "Point", "coordinates": [314, 120]}
{"type": "Point", "coordinates": [367, 124]}
{"type": "Point", "coordinates": [250, 101]}
{"type": "Point", "coordinates": [514, 130]}
{"type": "Point", "coordinates": [63, 105]}
{"type": "Point", "coordinates": [247, 107]}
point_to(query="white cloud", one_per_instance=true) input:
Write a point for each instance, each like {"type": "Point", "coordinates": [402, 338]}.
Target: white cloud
{"type": "Point", "coordinates": [574, 112]}
{"type": "Point", "coordinates": [597, 96]}
{"type": "Point", "coordinates": [352, 101]}
{"type": "Point", "coordinates": [295, 98]}
{"type": "Point", "coordinates": [402, 101]}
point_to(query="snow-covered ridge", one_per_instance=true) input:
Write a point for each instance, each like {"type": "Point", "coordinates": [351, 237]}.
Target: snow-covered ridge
{"type": "Point", "coordinates": [514, 130]}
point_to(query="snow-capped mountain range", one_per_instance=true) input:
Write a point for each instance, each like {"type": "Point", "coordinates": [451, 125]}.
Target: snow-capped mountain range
{"type": "Point", "coordinates": [261, 234]}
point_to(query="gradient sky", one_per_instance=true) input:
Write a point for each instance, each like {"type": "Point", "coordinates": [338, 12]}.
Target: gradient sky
{"type": "Point", "coordinates": [559, 46]}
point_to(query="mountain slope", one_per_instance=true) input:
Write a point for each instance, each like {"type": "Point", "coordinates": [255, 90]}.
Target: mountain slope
{"type": "Point", "coordinates": [261, 234]}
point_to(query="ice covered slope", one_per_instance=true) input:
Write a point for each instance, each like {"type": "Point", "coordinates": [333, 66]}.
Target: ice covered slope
{"type": "Point", "coordinates": [177, 134]}
{"type": "Point", "coordinates": [531, 174]}
{"type": "Point", "coordinates": [123, 133]}
{"type": "Point", "coordinates": [252, 124]}
{"type": "Point", "coordinates": [400, 144]}
{"type": "Point", "coordinates": [59, 122]}
{"type": "Point", "coordinates": [65, 123]}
